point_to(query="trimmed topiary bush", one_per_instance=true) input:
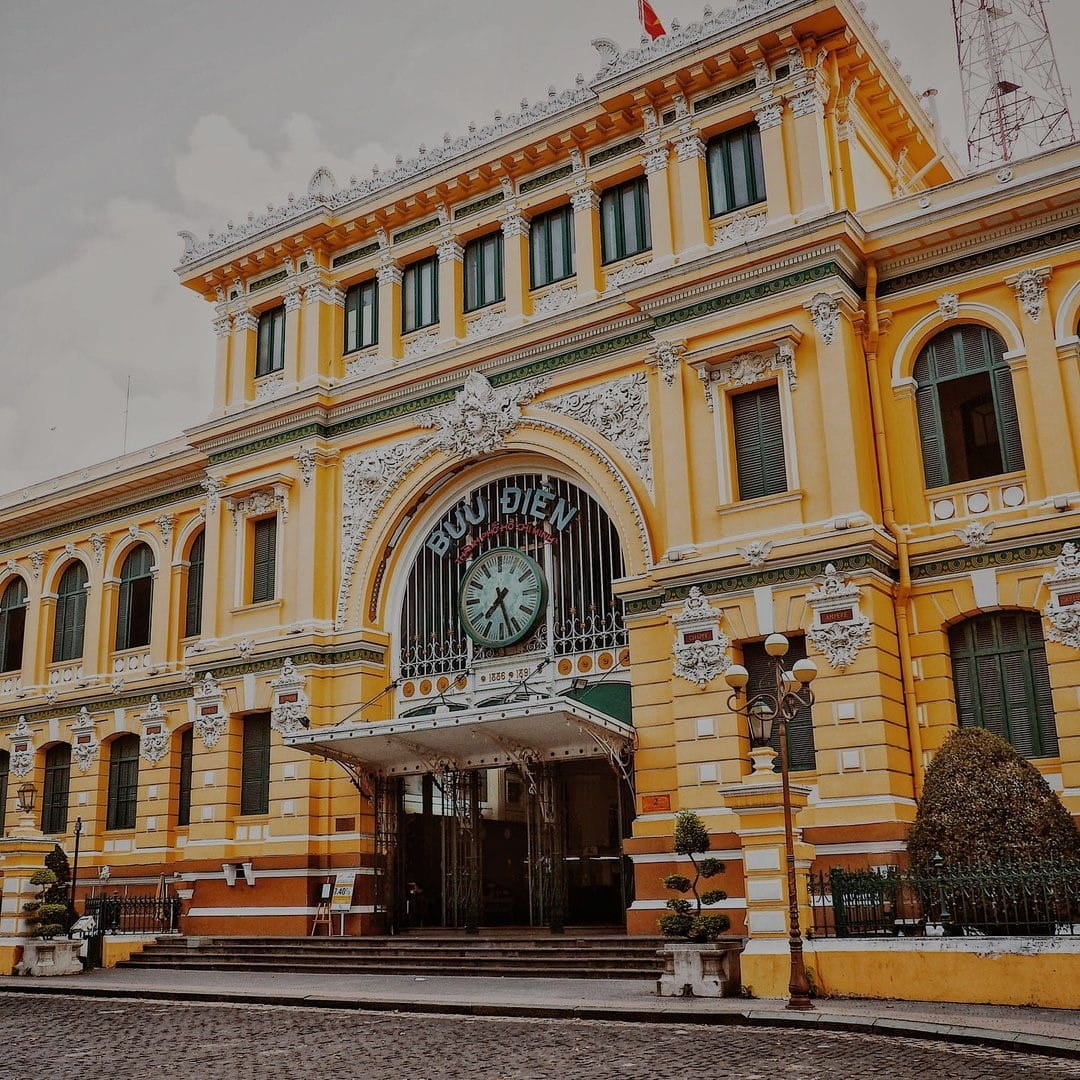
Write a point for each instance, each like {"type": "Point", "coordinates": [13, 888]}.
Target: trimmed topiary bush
{"type": "Point", "coordinates": [44, 917]}
{"type": "Point", "coordinates": [982, 803]}
{"type": "Point", "coordinates": [685, 918]}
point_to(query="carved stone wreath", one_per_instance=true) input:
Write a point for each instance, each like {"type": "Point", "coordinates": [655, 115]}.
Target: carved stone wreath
{"type": "Point", "coordinates": [700, 662]}
{"type": "Point", "coordinates": [841, 642]}
{"type": "Point", "coordinates": [1064, 619]}
{"type": "Point", "coordinates": [289, 711]}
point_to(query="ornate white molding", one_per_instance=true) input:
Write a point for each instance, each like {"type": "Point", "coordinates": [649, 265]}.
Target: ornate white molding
{"type": "Point", "coordinates": [976, 535]}
{"type": "Point", "coordinates": [480, 418]}
{"type": "Point", "coordinates": [293, 300]}
{"type": "Point", "coordinates": [1030, 289]}
{"type": "Point", "coordinates": [738, 230]}
{"type": "Point", "coordinates": [1062, 613]}
{"type": "Point", "coordinates": [623, 275]}
{"type": "Point", "coordinates": [269, 387]}
{"type": "Point", "coordinates": [689, 147]}
{"type": "Point", "coordinates": [271, 500]}
{"type": "Point", "coordinates": [319, 292]}
{"type": "Point", "coordinates": [21, 760]}
{"type": "Point", "coordinates": [421, 344]}
{"type": "Point", "coordinates": [825, 315]}
{"type": "Point", "coordinates": [210, 718]}
{"type": "Point", "coordinates": [166, 523]}
{"type": "Point", "coordinates": [154, 741]}
{"type": "Point", "coordinates": [245, 320]}
{"type": "Point", "coordinates": [450, 251]}
{"type": "Point", "coordinates": [756, 553]}
{"type": "Point", "coordinates": [839, 629]}
{"type": "Point", "coordinates": [550, 303]}
{"type": "Point", "coordinates": [212, 485]}
{"type": "Point", "coordinates": [584, 200]}
{"type": "Point", "coordinates": [619, 411]}
{"type": "Point", "coordinates": [701, 647]}
{"type": "Point", "coordinates": [750, 368]}
{"type": "Point", "coordinates": [807, 102]}
{"type": "Point", "coordinates": [84, 746]}
{"type": "Point", "coordinates": [948, 305]}
{"type": "Point", "coordinates": [389, 274]}
{"type": "Point", "coordinates": [37, 561]}
{"type": "Point", "coordinates": [770, 115]}
{"type": "Point", "coordinates": [656, 159]}
{"type": "Point", "coordinates": [667, 356]}
{"type": "Point", "coordinates": [515, 225]}
{"type": "Point", "coordinates": [485, 324]}
{"type": "Point", "coordinates": [223, 326]}
{"type": "Point", "coordinates": [289, 710]}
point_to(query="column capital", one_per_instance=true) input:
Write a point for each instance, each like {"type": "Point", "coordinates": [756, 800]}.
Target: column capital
{"type": "Point", "coordinates": [389, 274]}
{"type": "Point", "coordinates": [689, 146]}
{"type": "Point", "coordinates": [585, 199]}
{"type": "Point", "coordinates": [246, 320]}
{"type": "Point", "coordinates": [223, 326]}
{"type": "Point", "coordinates": [656, 159]}
{"type": "Point", "coordinates": [770, 115]}
{"type": "Point", "coordinates": [450, 250]}
{"type": "Point", "coordinates": [515, 224]}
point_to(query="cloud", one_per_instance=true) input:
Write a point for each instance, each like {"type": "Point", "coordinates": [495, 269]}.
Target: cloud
{"type": "Point", "coordinates": [114, 308]}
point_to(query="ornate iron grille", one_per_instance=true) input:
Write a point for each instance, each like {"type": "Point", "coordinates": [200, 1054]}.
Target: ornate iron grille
{"type": "Point", "coordinates": [582, 612]}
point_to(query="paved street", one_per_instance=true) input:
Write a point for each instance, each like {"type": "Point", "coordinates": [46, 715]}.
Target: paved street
{"type": "Point", "coordinates": [128, 1040]}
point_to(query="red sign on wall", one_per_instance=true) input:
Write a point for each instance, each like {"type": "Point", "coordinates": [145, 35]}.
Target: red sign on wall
{"type": "Point", "coordinates": [843, 615]}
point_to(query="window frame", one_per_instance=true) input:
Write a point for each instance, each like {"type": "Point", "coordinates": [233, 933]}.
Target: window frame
{"type": "Point", "coordinates": [13, 624]}
{"type": "Point", "coordinates": [356, 340]}
{"type": "Point", "coordinates": [412, 279]}
{"type": "Point", "coordinates": [55, 801]}
{"type": "Point", "coordinates": [543, 225]}
{"type": "Point", "coordinates": [255, 765]}
{"type": "Point", "coordinates": [193, 588]}
{"type": "Point", "coordinates": [758, 469]}
{"type": "Point", "coordinates": [614, 197]}
{"type": "Point", "coordinates": [122, 802]}
{"type": "Point", "coordinates": [270, 342]}
{"type": "Point", "coordinates": [718, 162]}
{"type": "Point", "coordinates": [69, 617]}
{"type": "Point", "coordinates": [263, 577]}
{"type": "Point", "coordinates": [479, 252]}
{"type": "Point", "coordinates": [186, 756]}
{"type": "Point", "coordinates": [5, 778]}
{"type": "Point", "coordinates": [127, 597]}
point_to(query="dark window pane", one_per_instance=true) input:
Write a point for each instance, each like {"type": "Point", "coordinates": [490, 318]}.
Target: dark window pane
{"type": "Point", "coordinates": [361, 316]}
{"type": "Point", "coordinates": [54, 792]}
{"type": "Point", "coordinates": [419, 295]}
{"type": "Point", "coordinates": [264, 560]}
{"type": "Point", "coordinates": [12, 625]}
{"type": "Point", "coordinates": [187, 755]}
{"type": "Point", "coordinates": [255, 765]}
{"type": "Point", "coordinates": [194, 599]}
{"type": "Point", "coordinates": [270, 348]}
{"type": "Point", "coordinates": [69, 626]}
{"type": "Point", "coordinates": [135, 599]}
{"type": "Point", "coordinates": [123, 782]}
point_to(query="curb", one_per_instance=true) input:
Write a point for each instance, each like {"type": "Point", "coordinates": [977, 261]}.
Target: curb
{"type": "Point", "coordinates": [1019, 1041]}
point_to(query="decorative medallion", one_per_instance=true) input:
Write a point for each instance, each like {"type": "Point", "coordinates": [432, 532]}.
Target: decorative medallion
{"type": "Point", "coordinates": [84, 747]}
{"type": "Point", "coordinates": [700, 646]}
{"type": "Point", "coordinates": [839, 629]}
{"type": "Point", "coordinates": [1030, 289]}
{"type": "Point", "coordinates": [289, 710]}
{"type": "Point", "coordinates": [756, 552]}
{"type": "Point", "coordinates": [825, 315]}
{"type": "Point", "coordinates": [154, 742]}
{"type": "Point", "coordinates": [210, 719]}
{"type": "Point", "coordinates": [948, 305]}
{"type": "Point", "coordinates": [1063, 611]}
{"type": "Point", "coordinates": [667, 355]}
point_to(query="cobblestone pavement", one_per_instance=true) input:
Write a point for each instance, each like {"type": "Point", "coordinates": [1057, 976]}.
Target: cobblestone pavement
{"type": "Point", "coordinates": [128, 1040]}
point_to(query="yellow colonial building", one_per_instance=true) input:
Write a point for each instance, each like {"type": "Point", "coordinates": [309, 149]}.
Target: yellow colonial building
{"type": "Point", "coordinates": [515, 447]}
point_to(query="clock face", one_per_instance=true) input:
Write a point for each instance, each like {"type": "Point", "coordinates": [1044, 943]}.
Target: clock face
{"type": "Point", "coordinates": [502, 596]}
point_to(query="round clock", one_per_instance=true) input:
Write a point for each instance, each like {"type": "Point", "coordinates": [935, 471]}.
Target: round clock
{"type": "Point", "coordinates": [502, 596]}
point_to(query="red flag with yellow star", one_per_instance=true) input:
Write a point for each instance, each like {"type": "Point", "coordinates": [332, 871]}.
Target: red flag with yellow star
{"type": "Point", "coordinates": [650, 21]}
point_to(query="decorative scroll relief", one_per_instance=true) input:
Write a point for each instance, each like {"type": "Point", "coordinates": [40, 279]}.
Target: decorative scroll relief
{"type": "Point", "coordinates": [212, 485]}
{"type": "Point", "coordinates": [264, 501]}
{"type": "Point", "coordinates": [22, 748]}
{"type": "Point", "coordinates": [490, 322]}
{"type": "Point", "coordinates": [839, 629]}
{"type": "Point", "coordinates": [555, 301]}
{"type": "Point", "coordinates": [667, 356]}
{"type": "Point", "coordinates": [948, 305]}
{"type": "Point", "coordinates": [289, 711]}
{"type": "Point", "coordinates": [305, 458]}
{"type": "Point", "coordinates": [1030, 289]}
{"type": "Point", "coordinates": [701, 647]}
{"type": "Point", "coordinates": [269, 387]}
{"type": "Point", "coordinates": [84, 744]}
{"type": "Point", "coordinates": [748, 369]}
{"type": "Point", "coordinates": [738, 230]}
{"type": "Point", "coordinates": [756, 553]}
{"type": "Point", "coordinates": [976, 535]}
{"type": "Point", "coordinates": [419, 345]}
{"type": "Point", "coordinates": [825, 315]}
{"type": "Point", "coordinates": [210, 719]}
{"type": "Point", "coordinates": [616, 279]}
{"type": "Point", "coordinates": [154, 742]}
{"type": "Point", "coordinates": [618, 410]}
{"type": "Point", "coordinates": [1063, 611]}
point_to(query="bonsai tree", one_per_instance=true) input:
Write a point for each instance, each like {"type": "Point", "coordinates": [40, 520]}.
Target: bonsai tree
{"type": "Point", "coordinates": [685, 918]}
{"type": "Point", "coordinates": [60, 893]}
{"type": "Point", "coordinates": [45, 916]}
{"type": "Point", "coordinates": [982, 803]}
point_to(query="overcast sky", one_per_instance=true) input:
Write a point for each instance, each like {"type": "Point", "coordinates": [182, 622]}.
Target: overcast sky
{"type": "Point", "coordinates": [122, 121]}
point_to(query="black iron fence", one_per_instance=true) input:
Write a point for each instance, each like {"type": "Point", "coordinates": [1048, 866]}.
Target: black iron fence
{"type": "Point", "coordinates": [1040, 898]}
{"type": "Point", "coordinates": [135, 914]}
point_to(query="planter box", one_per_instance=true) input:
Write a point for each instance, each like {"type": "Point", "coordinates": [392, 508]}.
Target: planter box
{"type": "Point", "coordinates": [57, 957]}
{"type": "Point", "coordinates": [708, 970]}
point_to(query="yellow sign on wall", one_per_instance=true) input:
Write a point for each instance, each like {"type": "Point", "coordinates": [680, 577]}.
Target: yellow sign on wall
{"type": "Point", "coordinates": [341, 899]}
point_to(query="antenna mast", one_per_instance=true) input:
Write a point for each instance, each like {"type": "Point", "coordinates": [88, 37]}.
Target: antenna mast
{"type": "Point", "coordinates": [1014, 101]}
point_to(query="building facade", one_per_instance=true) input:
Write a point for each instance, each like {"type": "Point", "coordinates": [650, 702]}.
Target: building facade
{"type": "Point", "coordinates": [515, 447]}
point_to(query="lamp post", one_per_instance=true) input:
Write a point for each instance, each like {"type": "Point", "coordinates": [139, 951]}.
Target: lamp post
{"type": "Point", "coordinates": [27, 795]}
{"type": "Point", "coordinates": [780, 704]}
{"type": "Point", "coordinates": [75, 866]}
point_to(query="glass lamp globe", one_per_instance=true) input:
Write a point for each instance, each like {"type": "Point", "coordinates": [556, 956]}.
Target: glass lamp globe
{"type": "Point", "coordinates": [776, 645]}
{"type": "Point", "coordinates": [805, 671]}
{"type": "Point", "coordinates": [736, 676]}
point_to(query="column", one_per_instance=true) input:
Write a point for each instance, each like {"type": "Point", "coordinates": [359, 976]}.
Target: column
{"type": "Point", "coordinates": [815, 197]}
{"type": "Point", "coordinates": [223, 332]}
{"type": "Point", "coordinates": [37, 650]}
{"type": "Point", "coordinates": [770, 121]}
{"type": "Point", "coordinates": [322, 332]}
{"type": "Point", "coordinates": [242, 358]}
{"type": "Point", "coordinates": [95, 604]}
{"type": "Point", "coordinates": [212, 599]}
{"type": "Point", "coordinates": [389, 277]}
{"type": "Point", "coordinates": [656, 172]}
{"type": "Point", "coordinates": [586, 204]}
{"type": "Point", "coordinates": [166, 606]}
{"type": "Point", "coordinates": [451, 285]}
{"type": "Point", "coordinates": [293, 321]}
{"type": "Point", "coordinates": [669, 442]}
{"type": "Point", "coordinates": [691, 186]}
{"type": "Point", "coordinates": [515, 228]}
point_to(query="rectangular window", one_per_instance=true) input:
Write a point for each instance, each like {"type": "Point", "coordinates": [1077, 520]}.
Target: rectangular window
{"type": "Point", "coordinates": [483, 271]}
{"type": "Point", "coordinates": [270, 352]}
{"type": "Point", "coordinates": [263, 559]}
{"type": "Point", "coordinates": [420, 295]}
{"type": "Point", "coordinates": [361, 316]}
{"type": "Point", "coordinates": [625, 226]}
{"type": "Point", "coordinates": [123, 783]}
{"type": "Point", "coordinates": [759, 443]}
{"type": "Point", "coordinates": [736, 172]}
{"type": "Point", "coordinates": [255, 765]}
{"type": "Point", "coordinates": [54, 793]}
{"type": "Point", "coordinates": [551, 246]}
{"type": "Point", "coordinates": [187, 756]}
{"type": "Point", "coordinates": [800, 729]}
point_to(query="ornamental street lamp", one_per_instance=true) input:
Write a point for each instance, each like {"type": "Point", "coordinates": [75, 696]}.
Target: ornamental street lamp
{"type": "Point", "coordinates": [780, 704]}
{"type": "Point", "coordinates": [27, 794]}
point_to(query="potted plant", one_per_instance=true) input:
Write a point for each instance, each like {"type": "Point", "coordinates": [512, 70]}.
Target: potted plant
{"type": "Point", "coordinates": [48, 916]}
{"type": "Point", "coordinates": [696, 963]}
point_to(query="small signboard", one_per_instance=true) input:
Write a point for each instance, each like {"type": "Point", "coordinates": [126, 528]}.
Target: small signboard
{"type": "Point", "coordinates": [341, 899]}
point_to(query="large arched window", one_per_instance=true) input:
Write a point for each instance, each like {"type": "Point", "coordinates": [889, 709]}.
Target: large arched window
{"type": "Point", "coordinates": [70, 614]}
{"type": "Point", "coordinates": [54, 795]}
{"type": "Point", "coordinates": [1001, 680]}
{"type": "Point", "coordinates": [123, 782]}
{"type": "Point", "coordinates": [5, 773]}
{"type": "Point", "coordinates": [967, 411]}
{"type": "Point", "coordinates": [194, 599]}
{"type": "Point", "coordinates": [136, 599]}
{"type": "Point", "coordinates": [12, 625]}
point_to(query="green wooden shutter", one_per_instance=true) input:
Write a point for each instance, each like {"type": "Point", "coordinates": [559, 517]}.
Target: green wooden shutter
{"type": "Point", "coordinates": [759, 443]}
{"type": "Point", "coordinates": [1040, 686]}
{"type": "Point", "coordinates": [930, 434]}
{"type": "Point", "coordinates": [1012, 450]}
{"type": "Point", "coordinates": [255, 765]}
{"type": "Point", "coordinates": [263, 560]}
{"type": "Point", "coordinates": [5, 769]}
{"type": "Point", "coordinates": [187, 755]}
{"type": "Point", "coordinates": [194, 598]}
{"type": "Point", "coordinates": [54, 794]}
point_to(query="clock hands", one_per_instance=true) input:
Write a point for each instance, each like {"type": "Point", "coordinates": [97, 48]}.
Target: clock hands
{"type": "Point", "coordinates": [500, 595]}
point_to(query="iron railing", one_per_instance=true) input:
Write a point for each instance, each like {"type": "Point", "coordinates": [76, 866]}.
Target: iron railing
{"type": "Point", "coordinates": [1038, 898]}
{"type": "Point", "coordinates": [135, 914]}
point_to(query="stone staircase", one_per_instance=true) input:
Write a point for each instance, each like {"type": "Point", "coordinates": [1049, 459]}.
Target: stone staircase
{"type": "Point", "coordinates": [572, 955]}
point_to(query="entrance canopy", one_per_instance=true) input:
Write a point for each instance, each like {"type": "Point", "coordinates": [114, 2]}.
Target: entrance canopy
{"type": "Point", "coordinates": [549, 731]}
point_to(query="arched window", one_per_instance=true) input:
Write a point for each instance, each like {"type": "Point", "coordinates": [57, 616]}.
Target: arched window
{"type": "Point", "coordinates": [5, 772]}
{"type": "Point", "coordinates": [12, 625]}
{"type": "Point", "coordinates": [194, 601]}
{"type": "Point", "coordinates": [136, 599]}
{"type": "Point", "coordinates": [123, 782]}
{"type": "Point", "coordinates": [967, 412]}
{"type": "Point", "coordinates": [187, 757]}
{"type": "Point", "coordinates": [54, 794]}
{"type": "Point", "coordinates": [70, 614]}
{"type": "Point", "coordinates": [1001, 680]}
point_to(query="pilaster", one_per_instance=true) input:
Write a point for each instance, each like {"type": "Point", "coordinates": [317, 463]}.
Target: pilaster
{"type": "Point", "coordinates": [691, 186]}
{"type": "Point", "coordinates": [586, 203]}
{"type": "Point", "coordinates": [294, 319]}
{"type": "Point", "coordinates": [242, 358]}
{"type": "Point", "coordinates": [811, 151]}
{"type": "Point", "coordinates": [770, 121]}
{"type": "Point", "coordinates": [655, 162]}
{"type": "Point", "coordinates": [670, 434]}
{"type": "Point", "coordinates": [322, 330]}
{"type": "Point", "coordinates": [515, 228]}
{"type": "Point", "coordinates": [389, 276]}
{"type": "Point", "coordinates": [223, 332]}
{"type": "Point", "coordinates": [451, 285]}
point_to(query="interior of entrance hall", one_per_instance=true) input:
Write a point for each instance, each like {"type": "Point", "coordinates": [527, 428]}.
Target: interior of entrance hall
{"type": "Point", "coordinates": [516, 846]}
